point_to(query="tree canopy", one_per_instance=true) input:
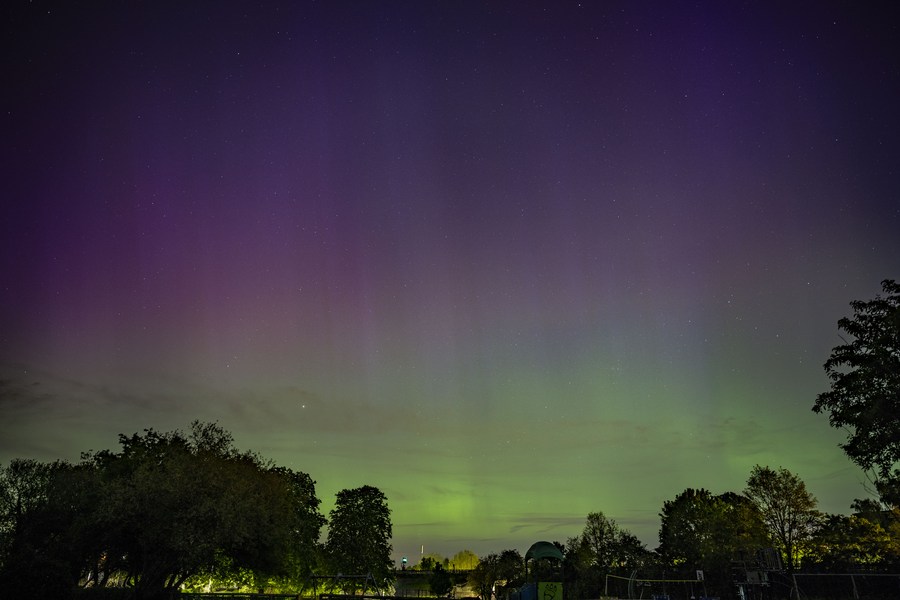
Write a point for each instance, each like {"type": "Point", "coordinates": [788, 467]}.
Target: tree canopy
{"type": "Point", "coordinates": [706, 531]}
{"type": "Point", "coordinates": [176, 508]}
{"type": "Point", "coordinates": [496, 573]}
{"type": "Point", "coordinates": [164, 508]}
{"type": "Point", "coordinates": [608, 544]}
{"type": "Point", "coordinates": [846, 542]}
{"type": "Point", "coordinates": [359, 535]}
{"type": "Point", "coordinates": [864, 397]}
{"type": "Point", "coordinates": [35, 548]}
{"type": "Point", "coordinates": [602, 548]}
{"type": "Point", "coordinates": [485, 574]}
{"type": "Point", "coordinates": [787, 509]}
{"type": "Point", "coordinates": [464, 560]}
{"type": "Point", "coordinates": [440, 583]}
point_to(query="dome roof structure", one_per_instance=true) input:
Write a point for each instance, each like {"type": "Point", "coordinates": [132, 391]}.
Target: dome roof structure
{"type": "Point", "coordinates": [543, 550]}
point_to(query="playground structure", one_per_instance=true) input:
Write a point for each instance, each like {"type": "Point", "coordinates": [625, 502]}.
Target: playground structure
{"type": "Point", "coordinates": [544, 580]}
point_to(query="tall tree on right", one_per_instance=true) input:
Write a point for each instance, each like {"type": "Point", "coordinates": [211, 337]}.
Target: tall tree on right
{"type": "Point", "coordinates": [865, 388]}
{"type": "Point", "coordinates": [787, 509]}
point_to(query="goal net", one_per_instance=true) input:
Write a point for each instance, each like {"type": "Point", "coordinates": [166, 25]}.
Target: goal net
{"type": "Point", "coordinates": [638, 588]}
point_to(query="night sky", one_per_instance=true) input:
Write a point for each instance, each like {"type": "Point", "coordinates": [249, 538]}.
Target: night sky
{"type": "Point", "coordinates": [509, 262]}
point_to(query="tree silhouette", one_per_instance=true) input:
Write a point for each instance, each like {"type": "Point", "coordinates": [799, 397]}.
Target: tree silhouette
{"type": "Point", "coordinates": [787, 508]}
{"type": "Point", "coordinates": [359, 534]}
{"type": "Point", "coordinates": [865, 388]}
{"type": "Point", "coordinates": [165, 508]}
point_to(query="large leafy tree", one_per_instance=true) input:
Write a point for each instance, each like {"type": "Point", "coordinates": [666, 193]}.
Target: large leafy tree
{"type": "Point", "coordinates": [609, 545]}
{"type": "Point", "coordinates": [496, 573]}
{"type": "Point", "coordinates": [603, 547]}
{"type": "Point", "coordinates": [484, 576]}
{"type": "Point", "coordinates": [511, 568]}
{"type": "Point", "coordinates": [23, 491]}
{"type": "Point", "coordinates": [464, 560]}
{"type": "Point", "coordinates": [305, 525]}
{"type": "Point", "coordinates": [700, 530]}
{"type": "Point", "coordinates": [845, 543]}
{"type": "Point", "coordinates": [166, 507]}
{"type": "Point", "coordinates": [582, 576]}
{"type": "Point", "coordinates": [35, 552]}
{"type": "Point", "coordinates": [864, 397]}
{"type": "Point", "coordinates": [787, 509]}
{"type": "Point", "coordinates": [178, 504]}
{"type": "Point", "coordinates": [440, 583]}
{"type": "Point", "coordinates": [359, 535]}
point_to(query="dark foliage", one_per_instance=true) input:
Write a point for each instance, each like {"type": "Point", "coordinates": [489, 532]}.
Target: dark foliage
{"type": "Point", "coordinates": [166, 507]}
{"type": "Point", "coordinates": [864, 398]}
{"type": "Point", "coordinates": [359, 536]}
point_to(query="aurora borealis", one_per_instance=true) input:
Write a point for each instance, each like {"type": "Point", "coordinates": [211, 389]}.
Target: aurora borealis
{"type": "Point", "coordinates": [510, 263]}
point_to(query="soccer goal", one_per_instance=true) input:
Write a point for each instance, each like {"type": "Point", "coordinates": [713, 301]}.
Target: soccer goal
{"type": "Point", "coordinates": [639, 588]}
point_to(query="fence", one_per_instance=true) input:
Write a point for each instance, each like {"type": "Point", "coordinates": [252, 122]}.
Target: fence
{"type": "Point", "coordinates": [846, 586]}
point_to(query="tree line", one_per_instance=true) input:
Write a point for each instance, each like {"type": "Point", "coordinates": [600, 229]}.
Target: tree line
{"type": "Point", "coordinates": [169, 511]}
{"type": "Point", "coordinates": [773, 525]}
